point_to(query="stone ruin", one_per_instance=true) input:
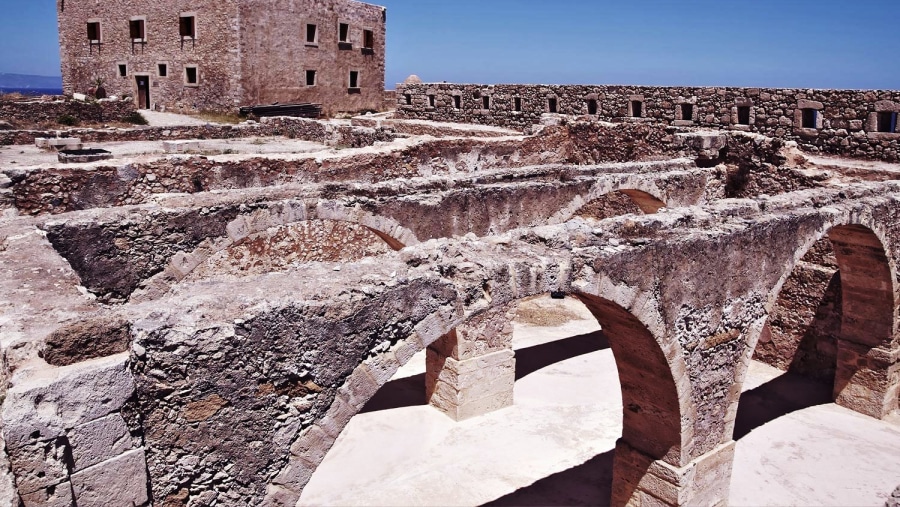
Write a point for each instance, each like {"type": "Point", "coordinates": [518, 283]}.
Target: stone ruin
{"type": "Point", "coordinates": [198, 328]}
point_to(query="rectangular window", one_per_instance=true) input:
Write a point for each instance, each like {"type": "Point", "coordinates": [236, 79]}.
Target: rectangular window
{"type": "Point", "coordinates": [162, 70]}
{"type": "Point", "coordinates": [368, 39]}
{"type": "Point", "coordinates": [343, 32]}
{"type": "Point", "coordinates": [408, 98]}
{"type": "Point", "coordinates": [592, 106]}
{"type": "Point", "coordinates": [93, 32]}
{"type": "Point", "coordinates": [887, 122]}
{"type": "Point", "coordinates": [743, 115]}
{"type": "Point", "coordinates": [687, 112]}
{"type": "Point", "coordinates": [187, 26]}
{"type": "Point", "coordinates": [517, 104]}
{"type": "Point", "coordinates": [123, 70]}
{"type": "Point", "coordinates": [138, 30]}
{"type": "Point", "coordinates": [551, 104]}
{"type": "Point", "coordinates": [191, 76]}
{"type": "Point", "coordinates": [354, 79]}
{"type": "Point", "coordinates": [310, 78]}
{"type": "Point", "coordinates": [312, 34]}
{"type": "Point", "coordinates": [809, 118]}
{"type": "Point", "coordinates": [431, 101]}
{"type": "Point", "coordinates": [457, 102]}
{"type": "Point", "coordinates": [486, 102]}
{"type": "Point", "coordinates": [637, 109]}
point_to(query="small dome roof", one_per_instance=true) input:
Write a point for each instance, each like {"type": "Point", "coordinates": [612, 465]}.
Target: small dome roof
{"type": "Point", "coordinates": [412, 79]}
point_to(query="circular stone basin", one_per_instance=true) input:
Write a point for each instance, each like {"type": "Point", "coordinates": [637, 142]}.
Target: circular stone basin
{"type": "Point", "coordinates": [81, 156]}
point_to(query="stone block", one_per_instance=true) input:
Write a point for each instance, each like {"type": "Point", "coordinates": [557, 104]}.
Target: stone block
{"type": "Point", "coordinates": [57, 495]}
{"type": "Point", "coordinates": [66, 397]}
{"type": "Point", "coordinates": [38, 465]}
{"type": "Point", "coordinates": [181, 146]}
{"type": "Point", "coordinates": [312, 444]}
{"type": "Point", "coordinates": [119, 481]}
{"type": "Point", "coordinates": [99, 440]}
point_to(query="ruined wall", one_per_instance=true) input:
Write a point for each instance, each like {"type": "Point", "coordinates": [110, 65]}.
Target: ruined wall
{"type": "Point", "coordinates": [846, 122]}
{"type": "Point", "coordinates": [36, 111]}
{"type": "Point", "coordinates": [275, 54]}
{"type": "Point", "coordinates": [212, 51]}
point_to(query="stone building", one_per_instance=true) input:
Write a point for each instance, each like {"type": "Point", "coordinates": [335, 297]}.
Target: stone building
{"type": "Point", "coordinates": [187, 55]}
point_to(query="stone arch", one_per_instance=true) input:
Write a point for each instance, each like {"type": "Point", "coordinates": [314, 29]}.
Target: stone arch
{"type": "Point", "coordinates": [866, 379]}
{"type": "Point", "coordinates": [640, 193]}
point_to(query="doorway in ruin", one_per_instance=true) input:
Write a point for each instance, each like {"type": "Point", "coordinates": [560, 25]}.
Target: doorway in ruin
{"type": "Point", "coordinates": [554, 446]}
{"type": "Point", "coordinates": [143, 91]}
{"type": "Point", "coordinates": [815, 387]}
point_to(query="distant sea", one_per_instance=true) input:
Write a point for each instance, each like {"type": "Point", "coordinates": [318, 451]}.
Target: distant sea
{"type": "Point", "coordinates": [32, 91]}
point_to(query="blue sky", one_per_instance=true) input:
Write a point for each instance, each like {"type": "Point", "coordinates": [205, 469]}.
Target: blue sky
{"type": "Point", "coordinates": [783, 43]}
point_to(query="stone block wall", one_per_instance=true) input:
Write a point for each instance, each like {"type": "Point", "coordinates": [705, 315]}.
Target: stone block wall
{"type": "Point", "coordinates": [276, 54]}
{"type": "Point", "coordinates": [837, 122]}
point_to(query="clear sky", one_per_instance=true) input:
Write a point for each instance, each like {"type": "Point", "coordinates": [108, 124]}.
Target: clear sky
{"type": "Point", "coordinates": [782, 43]}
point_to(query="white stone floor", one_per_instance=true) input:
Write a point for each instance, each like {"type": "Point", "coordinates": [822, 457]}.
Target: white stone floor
{"type": "Point", "coordinates": [554, 447]}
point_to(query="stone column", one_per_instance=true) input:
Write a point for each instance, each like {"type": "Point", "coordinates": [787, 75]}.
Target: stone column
{"type": "Point", "coordinates": [472, 370]}
{"type": "Point", "coordinates": [641, 480]}
{"type": "Point", "coordinates": [867, 379]}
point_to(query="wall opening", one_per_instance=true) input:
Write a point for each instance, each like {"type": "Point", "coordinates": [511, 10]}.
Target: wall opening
{"type": "Point", "coordinates": [187, 26]}
{"type": "Point", "coordinates": [343, 32]}
{"type": "Point", "coordinates": [162, 70]}
{"type": "Point", "coordinates": [887, 122]}
{"type": "Point", "coordinates": [93, 32]}
{"type": "Point", "coordinates": [810, 117]}
{"type": "Point", "coordinates": [310, 78]}
{"type": "Point", "coordinates": [312, 33]}
{"type": "Point", "coordinates": [457, 102]}
{"type": "Point", "coordinates": [637, 109]}
{"type": "Point", "coordinates": [122, 69]}
{"type": "Point", "coordinates": [592, 106]}
{"type": "Point", "coordinates": [687, 112]}
{"type": "Point", "coordinates": [551, 104]}
{"type": "Point", "coordinates": [191, 75]}
{"type": "Point", "coordinates": [407, 99]}
{"type": "Point", "coordinates": [517, 104]}
{"type": "Point", "coordinates": [137, 30]}
{"type": "Point", "coordinates": [486, 102]}
{"type": "Point", "coordinates": [743, 115]}
{"type": "Point", "coordinates": [354, 80]}
{"type": "Point", "coordinates": [368, 39]}
{"type": "Point", "coordinates": [431, 100]}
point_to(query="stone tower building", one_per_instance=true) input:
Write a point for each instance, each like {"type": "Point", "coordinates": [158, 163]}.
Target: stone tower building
{"type": "Point", "coordinates": [187, 55]}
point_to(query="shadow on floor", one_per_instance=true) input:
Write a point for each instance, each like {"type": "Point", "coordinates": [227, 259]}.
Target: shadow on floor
{"type": "Point", "coordinates": [588, 484]}
{"type": "Point", "coordinates": [410, 391]}
{"type": "Point", "coordinates": [532, 359]}
{"type": "Point", "coordinates": [781, 396]}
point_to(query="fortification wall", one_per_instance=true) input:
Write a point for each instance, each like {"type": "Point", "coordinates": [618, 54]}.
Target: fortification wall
{"type": "Point", "coordinates": [857, 123]}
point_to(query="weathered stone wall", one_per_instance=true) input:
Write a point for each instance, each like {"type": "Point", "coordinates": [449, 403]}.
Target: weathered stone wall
{"type": "Point", "coordinates": [37, 111]}
{"type": "Point", "coordinates": [275, 54]}
{"type": "Point", "coordinates": [846, 122]}
{"type": "Point", "coordinates": [245, 52]}
{"type": "Point", "coordinates": [214, 51]}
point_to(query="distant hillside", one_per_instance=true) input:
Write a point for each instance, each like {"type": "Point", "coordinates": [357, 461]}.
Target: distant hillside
{"type": "Point", "coordinates": [23, 81]}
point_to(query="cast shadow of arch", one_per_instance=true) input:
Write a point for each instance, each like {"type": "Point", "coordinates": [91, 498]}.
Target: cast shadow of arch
{"type": "Point", "coordinates": [410, 391]}
{"type": "Point", "coordinates": [588, 484]}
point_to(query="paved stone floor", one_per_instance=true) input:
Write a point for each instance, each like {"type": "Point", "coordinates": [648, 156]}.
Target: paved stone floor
{"type": "Point", "coordinates": [554, 447]}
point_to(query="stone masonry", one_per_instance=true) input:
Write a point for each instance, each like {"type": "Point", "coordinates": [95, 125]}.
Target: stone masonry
{"type": "Point", "coordinates": [198, 329]}
{"type": "Point", "coordinates": [856, 123]}
{"type": "Point", "coordinates": [189, 55]}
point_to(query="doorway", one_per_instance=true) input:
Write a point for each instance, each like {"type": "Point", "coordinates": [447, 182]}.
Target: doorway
{"type": "Point", "coordinates": [143, 91]}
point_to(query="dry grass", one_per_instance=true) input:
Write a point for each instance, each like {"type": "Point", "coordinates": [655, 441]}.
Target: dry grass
{"type": "Point", "coordinates": [217, 117]}
{"type": "Point", "coordinates": [542, 314]}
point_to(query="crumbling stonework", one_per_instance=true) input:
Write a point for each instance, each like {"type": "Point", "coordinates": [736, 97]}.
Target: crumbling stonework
{"type": "Point", "coordinates": [29, 112]}
{"type": "Point", "coordinates": [204, 336]}
{"type": "Point", "coordinates": [189, 55]}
